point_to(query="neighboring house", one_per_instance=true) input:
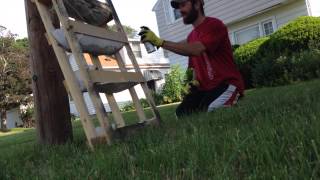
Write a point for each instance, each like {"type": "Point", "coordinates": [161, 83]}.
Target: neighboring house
{"type": "Point", "coordinates": [153, 66]}
{"type": "Point", "coordinates": [13, 118]}
{"type": "Point", "coordinates": [246, 19]}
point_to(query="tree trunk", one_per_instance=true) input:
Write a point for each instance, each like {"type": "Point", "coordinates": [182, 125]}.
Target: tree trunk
{"type": "Point", "coordinates": [3, 120]}
{"type": "Point", "coordinates": [52, 114]}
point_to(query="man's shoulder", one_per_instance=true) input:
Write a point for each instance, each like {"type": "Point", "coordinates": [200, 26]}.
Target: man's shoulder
{"type": "Point", "coordinates": [214, 20]}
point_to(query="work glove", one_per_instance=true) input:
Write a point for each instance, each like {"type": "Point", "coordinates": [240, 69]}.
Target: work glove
{"type": "Point", "coordinates": [148, 36]}
{"type": "Point", "coordinates": [191, 84]}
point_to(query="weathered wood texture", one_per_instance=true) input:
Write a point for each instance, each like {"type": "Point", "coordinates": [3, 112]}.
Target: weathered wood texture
{"type": "Point", "coordinates": [91, 11]}
{"type": "Point", "coordinates": [51, 99]}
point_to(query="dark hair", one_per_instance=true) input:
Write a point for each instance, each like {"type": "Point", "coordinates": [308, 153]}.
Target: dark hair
{"type": "Point", "coordinates": [201, 5]}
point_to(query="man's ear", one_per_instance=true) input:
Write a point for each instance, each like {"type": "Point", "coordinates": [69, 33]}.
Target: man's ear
{"type": "Point", "coordinates": [198, 5]}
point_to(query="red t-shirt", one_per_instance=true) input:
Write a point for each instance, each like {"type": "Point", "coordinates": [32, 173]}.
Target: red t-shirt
{"type": "Point", "coordinates": [216, 65]}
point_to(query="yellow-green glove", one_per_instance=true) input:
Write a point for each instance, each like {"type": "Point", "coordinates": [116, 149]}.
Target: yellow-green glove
{"type": "Point", "coordinates": [189, 86]}
{"type": "Point", "coordinates": [195, 83]}
{"type": "Point", "coordinates": [148, 36]}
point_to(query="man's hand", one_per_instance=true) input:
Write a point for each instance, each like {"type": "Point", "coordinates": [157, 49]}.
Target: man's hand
{"type": "Point", "coordinates": [148, 36]}
{"type": "Point", "coordinates": [191, 86]}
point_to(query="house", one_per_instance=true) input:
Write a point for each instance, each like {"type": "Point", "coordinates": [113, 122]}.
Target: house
{"type": "Point", "coordinates": [153, 66]}
{"type": "Point", "coordinates": [246, 19]}
{"type": "Point", "coordinates": [13, 118]}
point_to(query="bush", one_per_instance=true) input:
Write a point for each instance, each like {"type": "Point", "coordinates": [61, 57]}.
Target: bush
{"type": "Point", "coordinates": [277, 59]}
{"type": "Point", "coordinates": [158, 98]}
{"type": "Point", "coordinates": [174, 86]}
{"type": "Point", "coordinates": [294, 36]}
{"type": "Point", "coordinates": [27, 116]}
{"type": "Point", "coordinates": [129, 106]}
{"type": "Point", "coordinates": [245, 58]}
{"type": "Point", "coordinates": [286, 69]}
{"type": "Point", "coordinates": [235, 47]}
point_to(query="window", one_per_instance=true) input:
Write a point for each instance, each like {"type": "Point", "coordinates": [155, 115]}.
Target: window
{"type": "Point", "coordinates": [262, 28]}
{"type": "Point", "coordinates": [231, 38]}
{"type": "Point", "coordinates": [267, 28]}
{"type": "Point", "coordinates": [136, 48]}
{"type": "Point", "coordinates": [247, 34]}
{"type": "Point", "coordinates": [176, 14]}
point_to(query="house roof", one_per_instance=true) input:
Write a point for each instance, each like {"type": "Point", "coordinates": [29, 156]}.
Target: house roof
{"type": "Point", "coordinates": [156, 5]}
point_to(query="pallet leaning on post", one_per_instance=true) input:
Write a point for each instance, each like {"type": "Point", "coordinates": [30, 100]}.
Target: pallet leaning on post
{"type": "Point", "coordinates": [98, 80]}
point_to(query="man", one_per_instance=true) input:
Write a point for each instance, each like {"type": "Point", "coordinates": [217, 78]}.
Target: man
{"type": "Point", "coordinates": [210, 56]}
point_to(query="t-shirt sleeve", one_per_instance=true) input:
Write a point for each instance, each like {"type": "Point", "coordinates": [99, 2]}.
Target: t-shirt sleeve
{"type": "Point", "coordinates": [213, 37]}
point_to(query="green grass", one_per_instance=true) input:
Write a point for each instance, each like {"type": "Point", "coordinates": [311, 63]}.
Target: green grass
{"type": "Point", "coordinates": [272, 134]}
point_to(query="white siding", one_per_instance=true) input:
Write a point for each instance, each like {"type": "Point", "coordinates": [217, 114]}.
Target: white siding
{"type": "Point", "coordinates": [290, 12]}
{"type": "Point", "coordinates": [234, 10]}
{"type": "Point", "coordinates": [172, 31]}
{"type": "Point", "coordinates": [280, 16]}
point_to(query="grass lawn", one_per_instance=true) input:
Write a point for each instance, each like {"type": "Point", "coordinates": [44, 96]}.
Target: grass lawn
{"type": "Point", "coordinates": [272, 134]}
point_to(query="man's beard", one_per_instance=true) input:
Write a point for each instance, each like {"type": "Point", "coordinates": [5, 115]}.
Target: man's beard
{"type": "Point", "coordinates": [191, 17]}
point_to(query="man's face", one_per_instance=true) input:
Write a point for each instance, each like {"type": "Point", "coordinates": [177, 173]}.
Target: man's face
{"type": "Point", "coordinates": [188, 12]}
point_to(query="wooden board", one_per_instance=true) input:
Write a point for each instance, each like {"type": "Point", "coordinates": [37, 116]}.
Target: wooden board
{"type": "Point", "coordinates": [111, 100]}
{"type": "Point", "coordinates": [115, 77]}
{"type": "Point", "coordinates": [83, 68]}
{"type": "Point", "coordinates": [97, 31]}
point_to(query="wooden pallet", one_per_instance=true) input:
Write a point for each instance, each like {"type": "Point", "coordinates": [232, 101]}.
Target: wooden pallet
{"type": "Point", "coordinates": [98, 80]}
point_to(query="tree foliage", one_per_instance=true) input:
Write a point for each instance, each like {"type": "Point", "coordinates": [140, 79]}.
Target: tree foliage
{"type": "Point", "coordinates": [15, 82]}
{"type": "Point", "coordinates": [131, 32]}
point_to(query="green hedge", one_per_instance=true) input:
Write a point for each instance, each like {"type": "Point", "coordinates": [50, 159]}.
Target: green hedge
{"type": "Point", "coordinates": [245, 56]}
{"type": "Point", "coordinates": [294, 36]}
{"type": "Point", "coordinates": [299, 66]}
{"type": "Point", "coordinates": [273, 60]}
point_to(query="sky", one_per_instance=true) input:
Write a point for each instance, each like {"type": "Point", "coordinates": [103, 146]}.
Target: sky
{"type": "Point", "coordinates": [134, 13]}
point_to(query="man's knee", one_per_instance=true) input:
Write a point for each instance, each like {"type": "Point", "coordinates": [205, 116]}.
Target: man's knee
{"type": "Point", "coordinates": [186, 109]}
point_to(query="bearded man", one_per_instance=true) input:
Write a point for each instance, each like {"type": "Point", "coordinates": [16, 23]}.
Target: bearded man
{"type": "Point", "coordinates": [219, 83]}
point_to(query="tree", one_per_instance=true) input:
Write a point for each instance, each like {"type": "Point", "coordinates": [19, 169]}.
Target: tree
{"type": "Point", "coordinates": [52, 113]}
{"type": "Point", "coordinates": [131, 32]}
{"type": "Point", "coordinates": [15, 80]}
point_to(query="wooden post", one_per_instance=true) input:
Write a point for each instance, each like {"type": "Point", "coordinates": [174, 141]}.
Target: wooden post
{"type": "Point", "coordinates": [51, 99]}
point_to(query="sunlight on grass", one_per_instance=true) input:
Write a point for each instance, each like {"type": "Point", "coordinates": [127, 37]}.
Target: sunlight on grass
{"type": "Point", "coordinates": [14, 131]}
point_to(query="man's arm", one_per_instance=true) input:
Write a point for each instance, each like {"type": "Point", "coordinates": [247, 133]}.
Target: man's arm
{"type": "Point", "coordinates": [184, 48]}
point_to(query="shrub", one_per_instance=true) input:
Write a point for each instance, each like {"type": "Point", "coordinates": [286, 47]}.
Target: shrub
{"type": "Point", "coordinates": [286, 69]}
{"type": "Point", "coordinates": [27, 116]}
{"type": "Point", "coordinates": [174, 86]}
{"type": "Point", "coordinates": [129, 106]}
{"type": "Point", "coordinates": [277, 59]}
{"type": "Point", "coordinates": [158, 98]}
{"type": "Point", "coordinates": [245, 58]}
{"type": "Point", "coordinates": [294, 36]}
{"type": "Point", "coordinates": [235, 47]}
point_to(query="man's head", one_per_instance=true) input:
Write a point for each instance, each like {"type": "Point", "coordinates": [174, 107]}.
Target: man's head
{"type": "Point", "coordinates": [190, 9]}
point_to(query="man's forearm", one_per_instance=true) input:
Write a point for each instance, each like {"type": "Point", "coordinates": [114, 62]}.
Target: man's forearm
{"type": "Point", "coordinates": [184, 49]}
